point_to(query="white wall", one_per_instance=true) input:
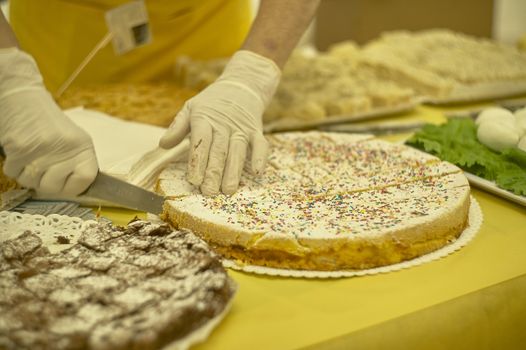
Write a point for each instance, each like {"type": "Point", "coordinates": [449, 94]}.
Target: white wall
{"type": "Point", "coordinates": [509, 20]}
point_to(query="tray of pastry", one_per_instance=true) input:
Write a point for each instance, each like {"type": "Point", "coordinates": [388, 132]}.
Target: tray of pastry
{"type": "Point", "coordinates": [288, 124]}
{"type": "Point", "coordinates": [447, 67]}
{"type": "Point", "coordinates": [480, 92]}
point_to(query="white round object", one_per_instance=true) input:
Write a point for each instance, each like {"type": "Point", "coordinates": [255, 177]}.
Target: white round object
{"type": "Point", "coordinates": [522, 144]}
{"type": "Point", "coordinates": [496, 114]}
{"type": "Point", "coordinates": [497, 135]}
{"type": "Point", "coordinates": [520, 120]}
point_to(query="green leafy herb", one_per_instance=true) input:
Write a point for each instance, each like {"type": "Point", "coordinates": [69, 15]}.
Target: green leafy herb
{"type": "Point", "coordinates": [456, 142]}
{"type": "Point", "coordinates": [516, 155]}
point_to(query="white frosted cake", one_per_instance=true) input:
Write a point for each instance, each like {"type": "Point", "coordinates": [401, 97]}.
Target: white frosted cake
{"type": "Point", "coordinates": [328, 202]}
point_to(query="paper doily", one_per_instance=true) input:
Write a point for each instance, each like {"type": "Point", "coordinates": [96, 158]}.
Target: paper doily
{"type": "Point", "coordinates": [57, 232]}
{"type": "Point", "coordinates": [475, 221]}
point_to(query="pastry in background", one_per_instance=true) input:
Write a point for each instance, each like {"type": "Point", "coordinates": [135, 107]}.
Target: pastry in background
{"type": "Point", "coordinates": [149, 103]}
{"type": "Point", "coordinates": [314, 85]}
{"type": "Point", "coordinates": [438, 61]}
{"type": "Point", "coordinates": [198, 74]}
{"type": "Point", "coordinates": [6, 183]}
{"type": "Point", "coordinates": [332, 83]}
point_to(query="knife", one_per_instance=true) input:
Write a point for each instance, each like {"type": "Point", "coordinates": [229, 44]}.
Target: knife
{"type": "Point", "coordinates": [114, 190]}
{"type": "Point", "coordinates": [120, 192]}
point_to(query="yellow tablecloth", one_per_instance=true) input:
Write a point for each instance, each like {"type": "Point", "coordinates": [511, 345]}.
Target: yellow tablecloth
{"type": "Point", "coordinates": [472, 299]}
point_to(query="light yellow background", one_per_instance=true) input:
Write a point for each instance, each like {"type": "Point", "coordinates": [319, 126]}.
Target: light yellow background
{"type": "Point", "coordinates": [472, 299]}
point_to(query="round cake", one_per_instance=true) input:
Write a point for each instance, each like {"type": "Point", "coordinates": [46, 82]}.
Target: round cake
{"type": "Point", "coordinates": [327, 202]}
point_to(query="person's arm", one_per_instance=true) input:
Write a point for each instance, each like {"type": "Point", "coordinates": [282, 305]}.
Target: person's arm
{"type": "Point", "coordinates": [7, 37]}
{"type": "Point", "coordinates": [44, 149]}
{"type": "Point", "coordinates": [224, 120]}
{"type": "Point", "coordinates": [278, 27]}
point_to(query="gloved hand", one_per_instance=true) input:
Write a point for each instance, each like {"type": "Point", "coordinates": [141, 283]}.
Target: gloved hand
{"type": "Point", "coordinates": [44, 149]}
{"type": "Point", "coordinates": [224, 121]}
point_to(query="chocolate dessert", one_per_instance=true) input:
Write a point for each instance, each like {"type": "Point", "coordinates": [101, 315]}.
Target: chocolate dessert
{"type": "Point", "coordinates": [140, 287]}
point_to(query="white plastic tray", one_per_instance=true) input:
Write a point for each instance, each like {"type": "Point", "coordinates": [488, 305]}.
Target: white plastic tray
{"type": "Point", "coordinates": [289, 124]}
{"type": "Point", "coordinates": [480, 92]}
{"type": "Point", "coordinates": [491, 187]}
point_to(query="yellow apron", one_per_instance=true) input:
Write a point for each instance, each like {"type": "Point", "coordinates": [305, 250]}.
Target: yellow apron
{"type": "Point", "coordinates": [60, 33]}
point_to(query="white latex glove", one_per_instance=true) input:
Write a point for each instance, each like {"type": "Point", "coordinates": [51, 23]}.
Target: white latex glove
{"type": "Point", "coordinates": [224, 121]}
{"type": "Point", "coordinates": [44, 149]}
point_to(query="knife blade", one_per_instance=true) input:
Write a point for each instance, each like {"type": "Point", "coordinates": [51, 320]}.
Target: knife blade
{"type": "Point", "coordinates": [114, 190]}
{"type": "Point", "coordinates": [120, 192]}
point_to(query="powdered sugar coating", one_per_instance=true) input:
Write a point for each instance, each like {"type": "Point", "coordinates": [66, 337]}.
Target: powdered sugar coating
{"type": "Point", "coordinates": [143, 286]}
